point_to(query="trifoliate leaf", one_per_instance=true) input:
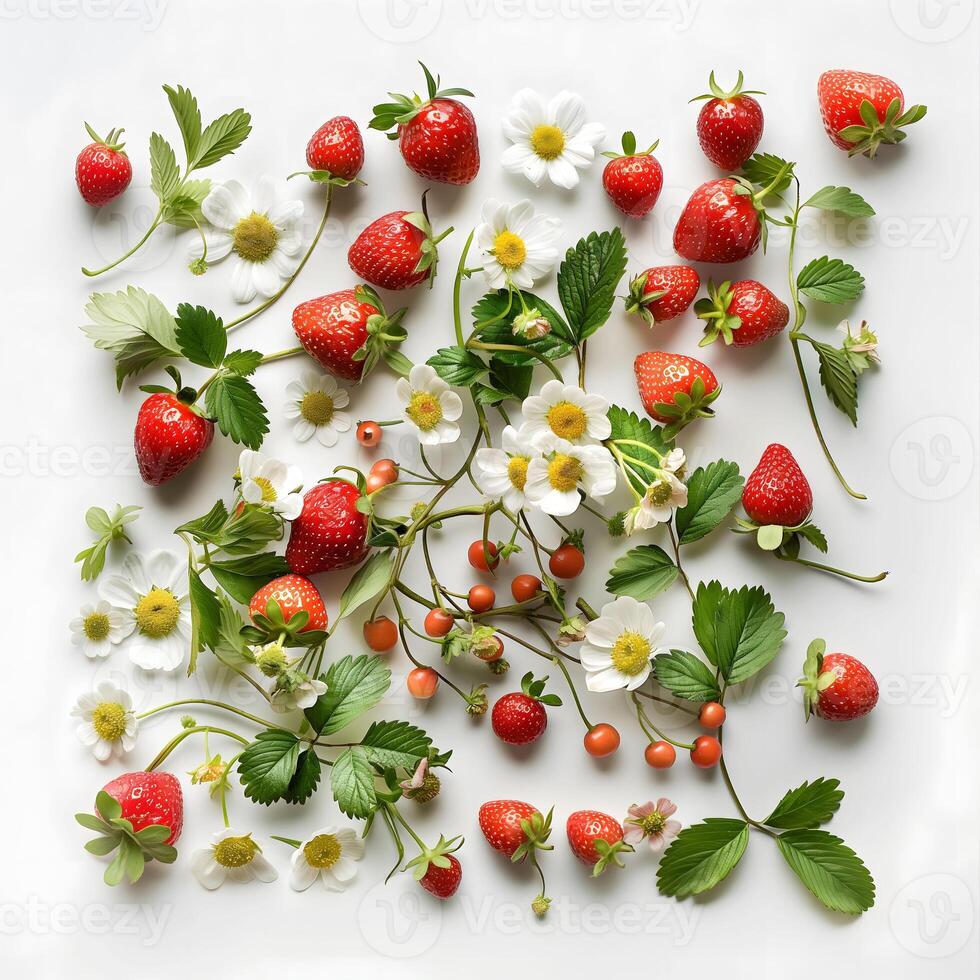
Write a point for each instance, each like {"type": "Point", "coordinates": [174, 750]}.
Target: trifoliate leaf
{"type": "Point", "coordinates": [701, 856]}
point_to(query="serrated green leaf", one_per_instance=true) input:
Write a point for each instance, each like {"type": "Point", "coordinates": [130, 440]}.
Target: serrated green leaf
{"type": "Point", "coordinates": [686, 675]}
{"type": "Point", "coordinates": [513, 380]}
{"type": "Point", "coordinates": [352, 781]}
{"type": "Point", "coordinates": [248, 533]}
{"type": "Point", "coordinates": [267, 765]}
{"type": "Point", "coordinates": [761, 169]}
{"type": "Point", "coordinates": [810, 532]}
{"type": "Point", "coordinates": [205, 617]}
{"type": "Point", "coordinates": [354, 685]}
{"type": "Point", "coordinates": [829, 869]}
{"type": "Point", "coordinates": [306, 778]}
{"type": "Point", "coordinates": [201, 335]}
{"type": "Point", "coordinates": [183, 209]}
{"type": "Point", "coordinates": [235, 405]}
{"type": "Point", "coordinates": [206, 528]}
{"type": "Point", "coordinates": [230, 645]}
{"type": "Point", "coordinates": [457, 366]}
{"type": "Point", "coordinates": [712, 491]}
{"type": "Point", "coordinates": [366, 583]}
{"type": "Point", "coordinates": [642, 573]}
{"type": "Point", "coordinates": [807, 806]}
{"type": "Point", "coordinates": [842, 200]}
{"type": "Point", "coordinates": [587, 281]}
{"type": "Point", "coordinates": [241, 578]}
{"type": "Point", "coordinates": [394, 744]}
{"type": "Point", "coordinates": [830, 281]}
{"type": "Point", "coordinates": [838, 379]}
{"type": "Point", "coordinates": [243, 362]}
{"type": "Point", "coordinates": [628, 425]}
{"type": "Point", "coordinates": [701, 856]}
{"type": "Point", "coordinates": [164, 173]}
{"type": "Point", "coordinates": [223, 136]}
{"type": "Point", "coordinates": [496, 311]}
{"type": "Point", "coordinates": [188, 117]}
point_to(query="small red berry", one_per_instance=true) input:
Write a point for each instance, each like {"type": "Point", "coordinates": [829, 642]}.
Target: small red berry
{"type": "Point", "coordinates": [438, 622]}
{"type": "Point", "coordinates": [422, 682]}
{"type": "Point", "coordinates": [601, 740]}
{"type": "Point", "coordinates": [566, 561]}
{"type": "Point", "coordinates": [525, 587]}
{"type": "Point", "coordinates": [368, 434]}
{"type": "Point", "coordinates": [706, 751]}
{"type": "Point", "coordinates": [712, 715]}
{"type": "Point", "coordinates": [380, 634]}
{"type": "Point", "coordinates": [476, 554]}
{"type": "Point", "coordinates": [481, 598]}
{"type": "Point", "coordinates": [660, 755]}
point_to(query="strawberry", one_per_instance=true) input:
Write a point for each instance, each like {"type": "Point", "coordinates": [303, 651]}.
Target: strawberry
{"type": "Point", "coordinates": [719, 223]}
{"type": "Point", "coordinates": [337, 148]}
{"type": "Point", "coordinates": [633, 180]}
{"type": "Point", "coordinates": [520, 718]}
{"type": "Point", "coordinates": [330, 532]}
{"type": "Point", "coordinates": [437, 136]}
{"type": "Point", "coordinates": [515, 828]}
{"type": "Point", "coordinates": [777, 492]}
{"type": "Point", "coordinates": [675, 389]}
{"type": "Point", "coordinates": [169, 436]}
{"type": "Point", "coordinates": [348, 331]}
{"type": "Point", "coordinates": [102, 170]}
{"type": "Point", "coordinates": [596, 839]}
{"type": "Point", "coordinates": [862, 111]}
{"type": "Point", "coordinates": [837, 686]}
{"type": "Point", "coordinates": [730, 124]}
{"type": "Point", "coordinates": [663, 292]}
{"type": "Point", "coordinates": [294, 595]}
{"type": "Point", "coordinates": [437, 869]}
{"type": "Point", "coordinates": [743, 313]}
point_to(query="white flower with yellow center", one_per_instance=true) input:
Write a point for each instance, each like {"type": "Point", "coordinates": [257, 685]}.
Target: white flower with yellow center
{"type": "Point", "coordinates": [657, 505]}
{"type": "Point", "coordinates": [107, 724]}
{"type": "Point", "coordinates": [151, 595]}
{"type": "Point", "coordinates": [502, 473]}
{"type": "Point", "coordinates": [429, 405]}
{"type": "Point", "coordinates": [270, 483]}
{"type": "Point", "coordinates": [550, 139]}
{"type": "Point", "coordinates": [295, 692]}
{"type": "Point", "coordinates": [97, 629]}
{"type": "Point", "coordinates": [518, 244]}
{"type": "Point", "coordinates": [314, 403]}
{"type": "Point", "coordinates": [561, 411]}
{"type": "Point", "coordinates": [330, 855]}
{"type": "Point", "coordinates": [231, 855]}
{"type": "Point", "coordinates": [554, 481]}
{"type": "Point", "coordinates": [262, 230]}
{"type": "Point", "coordinates": [620, 646]}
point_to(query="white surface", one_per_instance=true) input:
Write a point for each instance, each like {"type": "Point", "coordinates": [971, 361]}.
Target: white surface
{"type": "Point", "coordinates": [909, 772]}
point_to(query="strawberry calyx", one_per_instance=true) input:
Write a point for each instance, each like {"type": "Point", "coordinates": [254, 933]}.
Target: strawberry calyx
{"type": "Point", "coordinates": [536, 830]}
{"type": "Point", "coordinates": [639, 302]}
{"type": "Point", "coordinates": [815, 679]}
{"type": "Point", "coordinates": [404, 108]}
{"type": "Point", "coordinates": [784, 540]}
{"type": "Point", "coordinates": [717, 92]}
{"type": "Point", "coordinates": [186, 395]}
{"type": "Point", "coordinates": [609, 855]}
{"type": "Point", "coordinates": [629, 148]}
{"type": "Point", "coordinates": [272, 625]}
{"type": "Point", "coordinates": [430, 252]}
{"type": "Point", "coordinates": [534, 689]}
{"type": "Point", "coordinates": [111, 141]}
{"type": "Point", "coordinates": [325, 177]}
{"type": "Point", "coordinates": [686, 407]}
{"type": "Point", "coordinates": [873, 130]}
{"type": "Point", "coordinates": [433, 856]}
{"type": "Point", "coordinates": [714, 311]}
{"type": "Point", "coordinates": [385, 333]}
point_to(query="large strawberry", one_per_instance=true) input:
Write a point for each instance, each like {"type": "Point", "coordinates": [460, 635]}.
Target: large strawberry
{"type": "Point", "coordinates": [294, 594]}
{"type": "Point", "coordinates": [330, 532]}
{"type": "Point", "coordinates": [730, 124]}
{"type": "Point", "coordinates": [519, 831]}
{"type": "Point", "coordinates": [675, 389]}
{"type": "Point", "coordinates": [519, 717]}
{"type": "Point", "coordinates": [836, 685]}
{"type": "Point", "coordinates": [170, 434]}
{"type": "Point", "coordinates": [596, 839]}
{"type": "Point", "coordinates": [663, 292]}
{"type": "Point", "coordinates": [719, 223]}
{"type": "Point", "coordinates": [337, 149]}
{"type": "Point", "coordinates": [777, 492]}
{"type": "Point", "coordinates": [861, 111]}
{"type": "Point", "coordinates": [743, 313]}
{"type": "Point", "coordinates": [102, 170]}
{"type": "Point", "coordinates": [437, 135]}
{"type": "Point", "coordinates": [633, 180]}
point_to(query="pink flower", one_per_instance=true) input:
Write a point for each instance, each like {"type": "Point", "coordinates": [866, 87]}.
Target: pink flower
{"type": "Point", "coordinates": [650, 820]}
{"type": "Point", "coordinates": [418, 777]}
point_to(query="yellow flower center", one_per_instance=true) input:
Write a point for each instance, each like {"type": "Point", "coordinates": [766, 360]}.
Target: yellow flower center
{"type": "Point", "coordinates": [109, 721]}
{"type": "Point", "coordinates": [547, 141]}
{"type": "Point", "coordinates": [157, 613]}
{"type": "Point", "coordinates": [254, 238]}
{"type": "Point", "coordinates": [517, 471]}
{"type": "Point", "coordinates": [316, 407]}
{"type": "Point", "coordinates": [564, 472]}
{"type": "Point", "coordinates": [323, 851]}
{"type": "Point", "coordinates": [95, 626]}
{"type": "Point", "coordinates": [509, 250]}
{"type": "Point", "coordinates": [660, 493]}
{"type": "Point", "coordinates": [630, 653]}
{"type": "Point", "coordinates": [268, 490]}
{"type": "Point", "coordinates": [567, 420]}
{"type": "Point", "coordinates": [235, 852]}
{"type": "Point", "coordinates": [424, 410]}
{"type": "Point", "coordinates": [653, 823]}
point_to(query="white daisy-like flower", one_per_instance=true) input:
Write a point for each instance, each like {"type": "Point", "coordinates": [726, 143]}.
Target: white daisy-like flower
{"type": "Point", "coordinates": [330, 855]}
{"type": "Point", "coordinates": [430, 405]}
{"type": "Point", "coordinates": [561, 411]}
{"type": "Point", "coordinates": [550, 139]}
{"type": "Point", "coordinates": [107, 724]}
{"type": "Point", "coordinates": [661, 499]}
{"type": "Point", "coordinates": [518, 244]}
{"type": "Point", "coordinates": [620, 645]}
{"type": "Point", "coordinates": [151, 595]}
{"type": "Point", "coordinates": [554, 481]}
{"type": "Point", "coordinates": [261, 228]}
{"type": "Point", "coordinates": [98, 628]}
{"type": "Point", "coordinates": [315, 400]}
{"type": "Point", "coordinates": [231, 855]}
{"type": "Point", "coordinates": [295, 693]}
{"type": "Point", "coordinates": [271, 483]}
{"type": "Point", "coordinates": [503, 472]}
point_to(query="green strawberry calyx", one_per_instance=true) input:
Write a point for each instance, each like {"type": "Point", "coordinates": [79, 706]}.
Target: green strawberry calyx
{"type": "Point", "coordinates": [783, 540]}
{"type": "Point", "coordinates": [111, 141]}
{"type": "Point", "coordinates": [272, 625]}
{"type": "Point", "coordinates": [430, 252]}
{"type": "Point", "coordinates": [686, 407]}
{"type": "Point", "coordinates": [639, 302]}
{"type": "Point", "coordinates": [433, 856]}
{"type": "Point", "coordinates": [325, 177]}
{"type": "Point", "coordinates": [609, 855]}
{"type": "Point", "coordinates": [815, 679]}
{"type": "Point", "coordinates": [536, 830]}
{"type": "Point", "coordinates": [629, 148]}
{"type": "Point", "coordinates": [404, 108]}
{"type": "Point", "coordinates": [534, 689]}
{"type": "Point", "coordinates": [385, 334]}
{"type": "Point", "coordinates": [717, 92]}
{"type": "Point", "coordinates": [714, 311]}
{"type": "Point", "coordinates": [868, 135]}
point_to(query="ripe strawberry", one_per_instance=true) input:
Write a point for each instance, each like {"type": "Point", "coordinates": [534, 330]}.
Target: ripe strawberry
{"type": "Point", "coordinates": [346, 332]}
{"type": "Point", "coordinates": [596, 839]}
{"type": "Point", "coordinates": [633, 180]}
{"type": "Point", "coordinates": [730, 124]}
{"type": "Point", "coordinates": [862, 111]}
{"type": "Point", "coordinates": [520, 718]}
{"type": "Point", "coordinates": [437, 136]}
{"type": "Point", "coordinates": [337, 148]}
{"type": "Point", "coordinates": [169, 436]}
{"type": "Point", "coordinates": [719, 223]}
{"type": "Point", "coordinates": [330, 532]}
{"type": "Point", "coordinates": [515, 828]}
{"type": "Point", "coordinates": [675, 389]}
{"type": "Point", "coordinates": [776, 491]}
{"type": "Point", "coordinates": [837, 686]}
{"type": "Point", "coordinates": [293, 594]}
{"type": "Point", "coordinates": [743, 313]}
{"type": "Point", "coordinates": [437, 869]}
{"type": "Point", "coordinates": [149, 798]}
{"type": "Point", "coordinates": [102, 170]}
{"type": "Point", "coordinates": [663, 292]}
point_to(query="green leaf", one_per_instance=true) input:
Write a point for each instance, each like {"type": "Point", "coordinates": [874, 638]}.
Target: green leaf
{"type": "Point", "coordinates": [164, 173]}
{"type": "Point", "coordinates": [248, 533]}
{"type": "Point", "coordinates": [587, 281]}
{"type": "Point", "coordinates": [235, 405]}
{"type": "Point", "coordinates": [457, 366]}
{"type": "Point", "coordinates": [354, 685]}
{"type": "Point", "coordinates": [807, 806]}
{"type": "Point", "coordinates": [306, 779]}
{"type": "Point", "coordinates": [267, 765]}
{"type": "Point", "coordinates": [686, 675]}
{"type": "Point", "coordinates": [712, 492]}
{"type": "Point", "coordinates": [243, 362]}
{"type": "Point", "coordinates": [830, 281]}
{"type": "Point", "coordinates": [223, 136]}
{"type": "Point", "coordinates": [188, 117]}
{"type": "Point", "coordinates": [230, 646]}
{"type": "Point", "coordinates": [205, 617]}
{"type": "Point", "coordinates": [367, 582]}
{"type": "Point", "coordinates": [830, 869]}
{"type": "Point", "coordinates": [838, 379]}
{"type": "Point", "coordinates": [701, 856]}
{"type": "Point", "coordinates": [206, 528]}
{"type": "Point", "coordinates": [642, 573]}
{"type": "Point", "coordinates": [514, 380]}
{"type": "Point", "coordinates": [241, 578]}
{"type": "Point", "coordinates": [201, 335]}
{"type": "Point", "coordinates": [394, 744]}
{"type": "Point", "coordinates": [493, 316]}
{"type": "Point", "coordinates": [761, 169]}
{"type": "Point", "coordinates": [628, 425]}
{"type": "Point", "coordinates": [842, 200]}
{"type": "Point", "coordinates": [352, 781]}
{"type": "Point", "coordinates": [184, 209]}
{"type": "Point", "coordinates": [810, 532]}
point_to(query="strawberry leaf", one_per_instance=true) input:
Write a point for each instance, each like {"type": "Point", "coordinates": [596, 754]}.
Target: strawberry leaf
{"type": "Point", "coordinates": [305, 780]}
{"type": "Point", "coordinates": [235, 405]}
{"type": "Point", "coordinates": [457, 366]}
{"type": "Point", "coordinates": [241, 578]}
{"type": "Point", "coordinates": [243, 362]}
{"type": "Point", "coordinates": [686, 675]}
{"type": "Point", "coordinates": [807, 806]}
{"type": "Point", "coordinates": [205, 617]}
{"type": "Point", "coordinates": [838, 378]}
{"type": "Point", "coordinates": [712, 492]}
{"type": "Point", "coordinates": [367, 582]}
{"type": "Point", "coordinates": [164, 173]}
{"type": "Point", "coordinates": [268, 764]}
{"type": "Point", "coordinates": [352, 781]}
{"type": "Point", "coordinates": [829, 869]}
{"type": "Point", "coordinates": [642, 573]}
{"type": "Point", "coordinates": [201, 335]}
{"type": "Point", "coordinates": [701, 856]}
{"type": "Point", "coordinates": [830, 281]}
{"type": "Point", "coordinates": [354, 685]}
{"type": "Point", "coordinates": [587, 281]}
{"type": "Point", "coordinates": [842, 200]}
{"type": "Point", "coordinates": [395, 744]}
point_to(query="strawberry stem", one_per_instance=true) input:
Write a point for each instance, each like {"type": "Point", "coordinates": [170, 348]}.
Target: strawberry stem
{"type": "Point", "coordinates": [880, 577]}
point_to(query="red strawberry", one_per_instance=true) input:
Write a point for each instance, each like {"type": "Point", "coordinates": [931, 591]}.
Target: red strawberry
{"type": "Point", "coordinates": [730, 124]}
{"type": "Point", "coordinates": [675, 389]}
{"type": "Point", "coordinates": [596, 839]}
{"type": "Point", "coordinates": [437, 136]}
{"type": "Point", "coordinates": [149, 798]}
{"type": "Point", "coordinates": [102, 170]}
{"type": "Point", "coordinates": [514, 828]}
{"type": "Point", "coordinates": [520, 718]}
{"type": "Point", "coordinates": [743, 313]}
{"type": "Point", "coordinates": [776, 491]}
{"type": "Point", "coordinates": [633, 180]}
{"type": "Point", "coordinates": [169, 436]}
{"type": "Point", "coordinates": [862, 111]}
{"type": "Point", "coordinates": [719, 223]}
{"type": "Point", "coordinates": [663, 292]}
{"type": "Point", "coordinates": [330, 532]}
{"type": "Point", "coordinates": [837, 686]}
{"type": "Point", "coordinates": [337, 147]}
{"type": "Point", "coordinates": [437, 869]}
{"type": "Point", "coordinates": [294, 594]}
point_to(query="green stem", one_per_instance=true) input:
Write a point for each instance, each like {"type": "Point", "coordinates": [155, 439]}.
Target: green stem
{"type": "Point", "coordinates": [186, 733]}
{"type": "Point", "coordinates": [880, 577]}
{"type": "Point", "coordinates": [213, 704]}
{"type": "Point", "coordinates": [91, 273]}
{"type": "Point", "coordinates": [516, 348]}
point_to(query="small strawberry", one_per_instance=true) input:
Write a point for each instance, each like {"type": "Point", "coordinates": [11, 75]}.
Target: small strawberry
{"type": "Point", "coordinates": [675, 389]}
{"type": "Point", "coordinates": [777, 492]}
{"type": "Point", "coordinates": [437, 136]}
{"type": "Point", "coordinates": [330, 532]}
{"type": "Point", "coordinates": [337, 149]}
{"type": "Point", "coordinates": [596, 839]}
{"type": "Point", "coordinates": [518, 830]}
{"type": "Point", "coordinates": [663, 292]}
{"type": "Point", "coordinates": [170, 434]}
{"type": "Point", "coordinates": [520, 718]}
{"type": "Point", "coordinates": [862, 111]}
{"type": "Point", "coordinates": [633, 180]}
{"type": "Point", "coordinates": [837, 686]}
{"type": "Point", "coordinates": [293, 595]}
{"type": "Point", "coordinates": [437, 869]}
{"type": "Point", "coordinates": [730, 124]}
{"type": "Point", "coordinates": [102, 170]}
{"type": "Point", "coordinates": [719, 223]}
{"type": "Point", "coordinates": [743, 313]}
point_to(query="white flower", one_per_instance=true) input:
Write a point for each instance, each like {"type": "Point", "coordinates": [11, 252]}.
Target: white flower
{"type": "Point", "coordinates": [530, 324]}
{"type": "Point", "coordinates": [151, 594]}
{"type": "Point", "coordinates": [429, 405]}
{"type": "Point", "coordinates": [232, 855]}
{"type": "Point", "coordinates": [270, 483]}
{"type": "Point", "coordinates": [674, 462]}
{"type": "Point", "coordinates": [553, 482]}
{"type": "Point", "coordinates": [503, 472]}
{"type": "Point", "coordinates": [561, 411]}
{"type": "Point", "coordinates": [620, 645]}
{"type": "Point", "coordinates": [314, 401]}
{"type": "Point", "coordinates": [552, 139]}
{"type": "Point", "coordinates": [519, 244]}
{"type": "Point", "coordinates": [108, 726]}
{"type": "Point", "coordinates": [293, 693]}
{"type": "Point", "coordinates": [97, 629]}
{"type": "Point", "coordinates": [661, 499]}
{"type": "Point", "coordinates": [262, 228]}
{"type": "Point", "coordinates": [330, 855]}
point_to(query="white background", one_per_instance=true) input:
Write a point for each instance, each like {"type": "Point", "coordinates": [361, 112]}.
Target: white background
{"type": "Point", "coordinates": [909, 770]}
